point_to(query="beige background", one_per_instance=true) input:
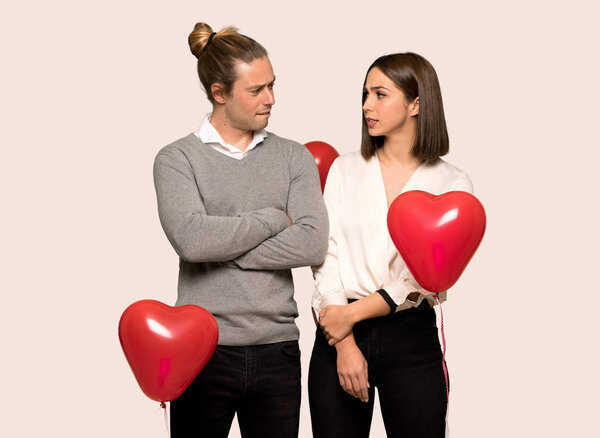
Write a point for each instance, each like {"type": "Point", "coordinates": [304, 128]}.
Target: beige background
{"type": "Point", "coordinates": [91, 90]}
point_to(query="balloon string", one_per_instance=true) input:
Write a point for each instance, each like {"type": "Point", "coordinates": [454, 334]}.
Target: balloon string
{"type": "Point", "coordinates": [443, 347]}
{"type": "Point", "coordinates": [164, 406]}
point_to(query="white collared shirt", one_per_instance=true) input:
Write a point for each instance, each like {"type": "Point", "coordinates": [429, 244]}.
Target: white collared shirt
{"type": "Point", "coordinates": [361, 257]}
{"type": "Point", "coordinates": [209, 136]}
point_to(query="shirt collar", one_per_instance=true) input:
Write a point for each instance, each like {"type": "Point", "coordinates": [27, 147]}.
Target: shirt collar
{"type": "Point", "coordinates": [208, 134]}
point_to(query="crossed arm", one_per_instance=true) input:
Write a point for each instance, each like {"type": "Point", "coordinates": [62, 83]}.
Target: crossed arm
{"type": "Point", "coordinates": [261, 239]}
{"type": "Point", "coordinates": [305, 242]}
{"type": "Point", "coordinates": [195, 235]}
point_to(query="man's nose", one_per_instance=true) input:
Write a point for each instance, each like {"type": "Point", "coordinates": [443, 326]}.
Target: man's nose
{"type": "Point", "coordinates": [269, 98]}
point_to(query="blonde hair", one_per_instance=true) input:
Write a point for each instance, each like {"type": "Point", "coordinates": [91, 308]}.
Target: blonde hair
{"type": "Point", "coordinates": [217, 60]}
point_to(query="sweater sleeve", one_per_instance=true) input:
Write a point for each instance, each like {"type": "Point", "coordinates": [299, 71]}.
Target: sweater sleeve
{"type": "Point", "coordinates": [304, 243]}
{"type": "Point", "coordinates": [195, 235]}
{"type": "Point", "coordinates": [328, 284]}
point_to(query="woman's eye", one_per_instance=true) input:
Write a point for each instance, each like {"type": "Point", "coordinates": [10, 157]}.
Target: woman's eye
{"type": "Point", "coordinates": [380, 95]}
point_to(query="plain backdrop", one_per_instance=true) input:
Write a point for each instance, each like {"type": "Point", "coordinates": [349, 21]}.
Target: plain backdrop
{"type": "Point", "coordinates": [90, 91]}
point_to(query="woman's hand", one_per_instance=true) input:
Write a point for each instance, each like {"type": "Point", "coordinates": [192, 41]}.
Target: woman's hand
{"type": "Point", "coordinates": [336, 322]}
{"type": "Point", "coordinates": [352, 369]}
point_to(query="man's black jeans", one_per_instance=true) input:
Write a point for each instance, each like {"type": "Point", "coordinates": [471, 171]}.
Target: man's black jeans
{"type": "Point", "coordinates": [261, 383]}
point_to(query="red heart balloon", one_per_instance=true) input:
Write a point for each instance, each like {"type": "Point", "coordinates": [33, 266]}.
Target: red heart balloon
{"type": "Point", "coordinates": [166, 347]}
{"type": "Point", "coordinates": [325, 155]}
{"type": "Point", "coordinates": [436, 235]}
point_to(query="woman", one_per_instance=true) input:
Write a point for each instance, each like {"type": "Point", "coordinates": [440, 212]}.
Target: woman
{"type": "Point", "coordinates": [377, 325]}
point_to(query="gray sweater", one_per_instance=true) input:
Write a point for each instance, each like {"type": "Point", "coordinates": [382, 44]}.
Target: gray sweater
{"type": "Point", "coordinates": [227, 220]}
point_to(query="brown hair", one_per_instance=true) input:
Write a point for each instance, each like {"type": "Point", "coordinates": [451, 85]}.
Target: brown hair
{"type": "Point", "coordinates": [217, 60]}
{"type": "Point", "coordinates": [416, 77]}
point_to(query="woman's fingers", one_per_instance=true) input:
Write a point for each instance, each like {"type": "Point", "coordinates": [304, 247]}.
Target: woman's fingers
{"type": "Point", "coordinates": [335, 322]}
{"type": "Point", "coordinates": [330, 339]}
{"type": "Point", "coordinates": [322, 313]}
{"type": "Point", "coordinates": [355, 384]}
{"type": "Point", "coordinates": [346, 385]}
{"type": "Point", "coordinates": [359, 384]}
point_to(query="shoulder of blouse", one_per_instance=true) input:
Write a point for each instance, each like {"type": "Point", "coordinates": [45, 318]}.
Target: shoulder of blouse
{"type": "Point", "coordinates": [350, 161]}
{"type": "Point", "coordinates": [447, 176]}
{"type": "Point", "coordinates": [446, 170]}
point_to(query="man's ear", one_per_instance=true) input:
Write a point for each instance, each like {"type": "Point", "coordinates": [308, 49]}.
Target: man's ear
{"type": "Point", "coordinates": [218, 92]}
{"type": "Point", "coordinates": [413, 108]}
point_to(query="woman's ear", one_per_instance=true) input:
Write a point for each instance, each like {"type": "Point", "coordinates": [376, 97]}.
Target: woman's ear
{"type": "Point", "coordinates": [413, 108]}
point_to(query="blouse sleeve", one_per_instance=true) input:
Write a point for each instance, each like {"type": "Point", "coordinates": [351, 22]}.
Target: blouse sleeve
{"type": "Point", "coordinates": [328, 285]}
{"type": "Point", "coordinates": [401, 287]}
{"type": "Point", "coordinates": [404, 284]}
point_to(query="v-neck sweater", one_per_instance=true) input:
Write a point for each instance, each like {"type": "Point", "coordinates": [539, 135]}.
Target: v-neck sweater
{"type": "Point", "coordinates": [227, 219]}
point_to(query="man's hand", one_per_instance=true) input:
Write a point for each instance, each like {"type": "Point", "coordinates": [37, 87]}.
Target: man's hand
{"type": "Point", "coordinates": [336, 322]}
{"type": "Point", "coordinates": [352, 369]}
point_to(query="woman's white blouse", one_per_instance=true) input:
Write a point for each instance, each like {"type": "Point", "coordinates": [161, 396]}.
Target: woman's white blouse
{"type": "Point", "coordinates": [361, 257]}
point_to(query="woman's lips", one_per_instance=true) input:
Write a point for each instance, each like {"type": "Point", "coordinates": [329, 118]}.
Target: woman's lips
{"type": "Point", "coordinates": [371, 122]}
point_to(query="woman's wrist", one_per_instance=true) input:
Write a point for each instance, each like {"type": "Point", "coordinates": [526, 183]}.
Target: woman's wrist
{"type": "Point", "coordinates": [368, 307]}
{"type": "Point", "coordinates": [353, 312]}
{"type": "Point", "coordinates": [347, 343]}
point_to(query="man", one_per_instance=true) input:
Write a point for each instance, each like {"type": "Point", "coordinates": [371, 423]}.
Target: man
{"type": "Point", "coordinates": [241, 207]}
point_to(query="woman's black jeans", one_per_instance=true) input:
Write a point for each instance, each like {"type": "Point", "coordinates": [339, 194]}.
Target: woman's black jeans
{"type": "Point", "coordinates": [261, 383]}
{"type": "Point", "coordinates": [404, 364]}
